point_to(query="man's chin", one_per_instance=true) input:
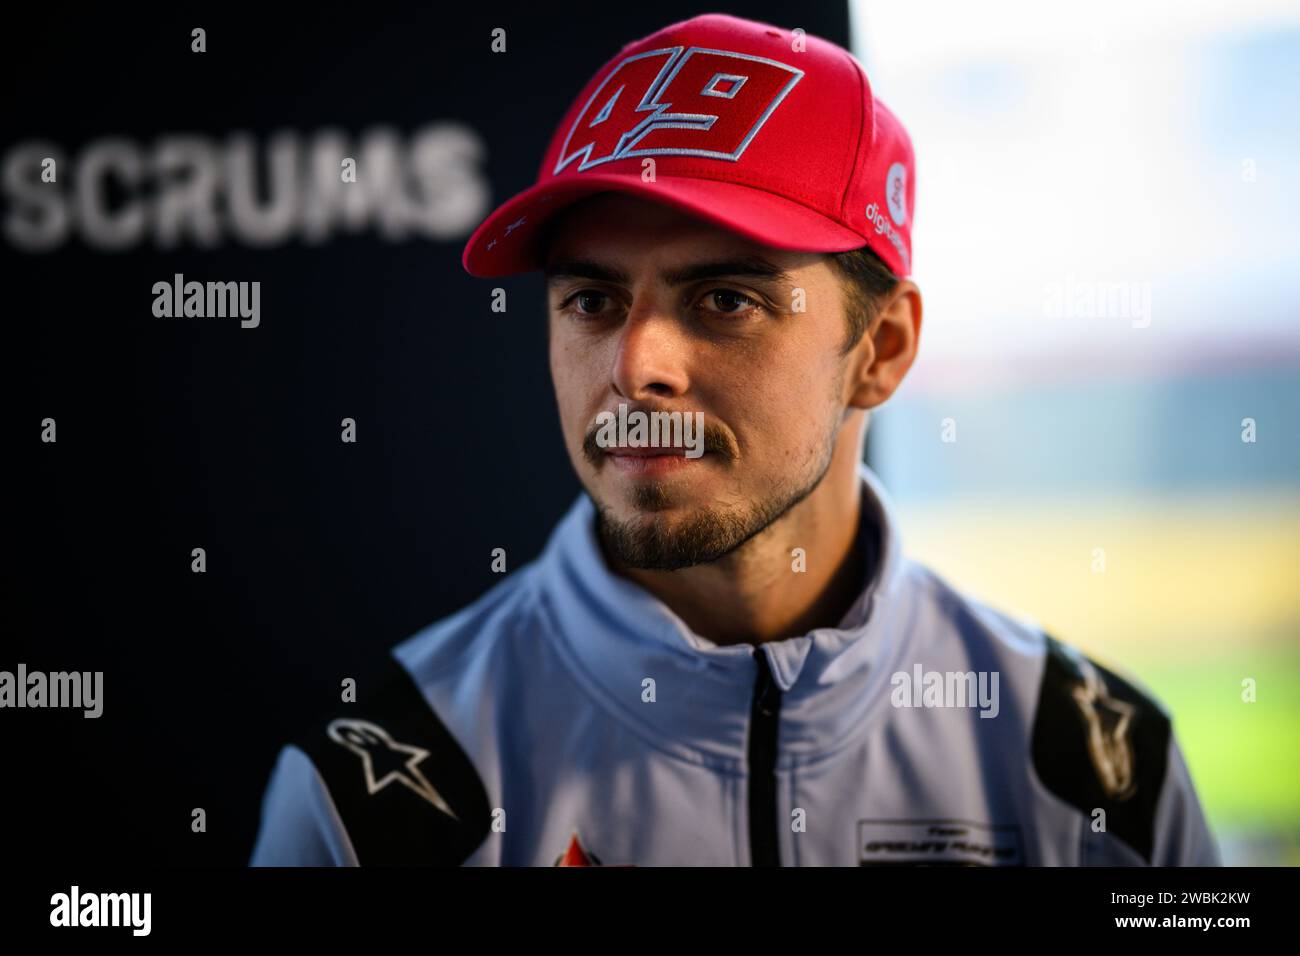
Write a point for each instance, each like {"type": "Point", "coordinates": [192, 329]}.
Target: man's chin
{"type": "Point", "coordinates": [669, 539]}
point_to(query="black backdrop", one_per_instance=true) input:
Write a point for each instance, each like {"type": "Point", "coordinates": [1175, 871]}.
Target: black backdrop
{"type": "Point", "coordinates": [174, 434]}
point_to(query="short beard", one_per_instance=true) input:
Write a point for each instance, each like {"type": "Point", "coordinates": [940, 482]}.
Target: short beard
{"type": "Point", "coordinates": [704, 537]}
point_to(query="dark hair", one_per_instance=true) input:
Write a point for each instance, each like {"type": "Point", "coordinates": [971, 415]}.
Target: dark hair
{"type": "Point", "coordinates": [867, 281]}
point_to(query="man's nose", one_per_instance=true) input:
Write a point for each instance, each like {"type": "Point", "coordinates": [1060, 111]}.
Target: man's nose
{"type": "Point", "coordinates": [653, 353]}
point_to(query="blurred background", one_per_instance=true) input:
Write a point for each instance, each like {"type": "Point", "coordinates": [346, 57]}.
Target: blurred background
{"type": "Point", "coordinates": [176, 434]}
{"type": "Point", "coordinates": [1108, 243]}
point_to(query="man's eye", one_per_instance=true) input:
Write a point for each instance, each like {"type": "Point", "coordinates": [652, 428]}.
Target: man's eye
{"type": "Point", "coordinates": [586, 302]}
{"type": "Point", "coordinates": [728, 302]}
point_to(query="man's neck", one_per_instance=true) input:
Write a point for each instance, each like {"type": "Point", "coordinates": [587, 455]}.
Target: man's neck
{"type": "Point", "coordinates": [766, 590]}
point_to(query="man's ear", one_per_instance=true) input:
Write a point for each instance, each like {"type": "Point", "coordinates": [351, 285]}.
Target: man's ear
{"type": "Point", "coordinates": [888, 347]}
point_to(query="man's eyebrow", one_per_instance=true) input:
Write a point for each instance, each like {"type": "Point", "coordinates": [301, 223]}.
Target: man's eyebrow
{"type": "Point", "coordinates": [584, 269]}
{"type": "Point", "coordinates": [755, 267]}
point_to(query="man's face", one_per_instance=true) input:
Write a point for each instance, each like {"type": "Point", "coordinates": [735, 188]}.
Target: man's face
{"type": "Point", "coordinates": [662, 312]}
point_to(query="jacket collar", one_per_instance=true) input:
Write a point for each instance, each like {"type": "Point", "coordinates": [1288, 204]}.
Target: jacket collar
{"type": "Point", "coordinates": [616, 635]}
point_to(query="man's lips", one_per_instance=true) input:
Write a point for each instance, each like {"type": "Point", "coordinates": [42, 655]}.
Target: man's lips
{"type": "Point", "coordinates": [649, 462]}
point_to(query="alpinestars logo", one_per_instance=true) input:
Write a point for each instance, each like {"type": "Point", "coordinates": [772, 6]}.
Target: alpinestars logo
{"type": "Point", "coordinates": [679, 102]}
{"type": "Point", "coordinates": [385, 761]}
{"type": "Point", "coordinates": [1108, 724]}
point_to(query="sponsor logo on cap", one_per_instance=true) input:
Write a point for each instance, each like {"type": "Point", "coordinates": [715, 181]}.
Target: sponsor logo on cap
{"type": "Point", "coordinates": [896, 192]}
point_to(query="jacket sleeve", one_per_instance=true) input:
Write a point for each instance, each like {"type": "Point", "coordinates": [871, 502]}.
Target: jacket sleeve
{"type": "Point", "coordinates": [1183, 836]}
{"type": "Point", "coordinates": [375, 782]}
{"type": "Point", "coordinates": [300, 825]}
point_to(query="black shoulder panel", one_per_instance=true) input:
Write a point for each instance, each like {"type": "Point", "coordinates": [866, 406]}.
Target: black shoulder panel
{"type": "Point", "coordinates": [1099, 742]}
{"type": "Point", "coordinates": [406, 791]}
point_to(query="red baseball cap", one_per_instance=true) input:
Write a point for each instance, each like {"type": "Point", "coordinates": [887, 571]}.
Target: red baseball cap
{"type": "Point", "coordinates": [767, 132]}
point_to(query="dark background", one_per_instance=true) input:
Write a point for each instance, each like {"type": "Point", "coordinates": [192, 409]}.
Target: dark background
{"type": "Point", "coordinates": [182, 433]}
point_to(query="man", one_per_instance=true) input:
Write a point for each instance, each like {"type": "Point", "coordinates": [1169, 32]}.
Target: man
{"type": "Point", "coordinates": [722, 656]}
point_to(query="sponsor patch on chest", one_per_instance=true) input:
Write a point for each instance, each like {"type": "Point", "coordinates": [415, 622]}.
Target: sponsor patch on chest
{"type": "Point", "coordinates": [938, 843]}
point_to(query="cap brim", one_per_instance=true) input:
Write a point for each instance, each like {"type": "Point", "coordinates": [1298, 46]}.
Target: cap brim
{"type": "Point", "coordinates": [506, 242]}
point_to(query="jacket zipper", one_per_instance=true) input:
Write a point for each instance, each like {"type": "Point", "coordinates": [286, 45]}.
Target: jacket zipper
{"type": "Point", "coordinates": [764, 714]}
